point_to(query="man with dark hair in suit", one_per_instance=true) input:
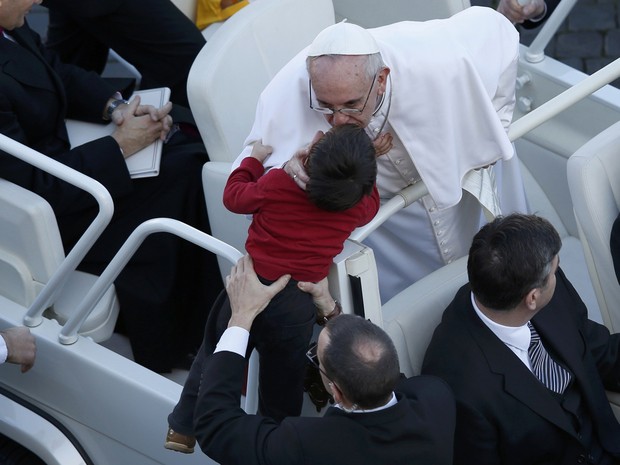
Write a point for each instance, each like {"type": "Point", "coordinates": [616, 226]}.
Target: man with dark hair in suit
{"type": "Point", "coordinates": [527, 367]}
{"type": "Point", "coordinates": [371, 423]}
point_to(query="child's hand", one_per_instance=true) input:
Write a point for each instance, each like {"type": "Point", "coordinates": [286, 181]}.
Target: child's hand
{"type": "Point", "coordinates": [383, 144]}
{"type": "Point", "coordinates": [260, 151]}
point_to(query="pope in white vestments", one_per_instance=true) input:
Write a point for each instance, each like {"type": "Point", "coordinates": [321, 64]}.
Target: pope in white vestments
{"type": "Point", "coordinates": [448, 105]}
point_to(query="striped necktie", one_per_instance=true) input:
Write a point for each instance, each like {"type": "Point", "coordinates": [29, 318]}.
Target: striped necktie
{"type": "Point", "coordinates": [550, 373]}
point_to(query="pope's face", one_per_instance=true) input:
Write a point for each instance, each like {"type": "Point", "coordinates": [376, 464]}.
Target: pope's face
{"type": "Point", "coordinates": [13, 12]}
{"type": "Point", "coordinates": [344, 82]}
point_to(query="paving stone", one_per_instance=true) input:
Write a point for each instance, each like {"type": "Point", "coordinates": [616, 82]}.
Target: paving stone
{"type": "Point", "coordinates": [612, 43]}
{"type": "Point", "coordinates": [597, 17]}
{"type": "Point", "coordinates": [594, 64]}
{"type": "Point", "coordinates": [580, 44]}
{"type": "Point", "coordinates": [577, 63]}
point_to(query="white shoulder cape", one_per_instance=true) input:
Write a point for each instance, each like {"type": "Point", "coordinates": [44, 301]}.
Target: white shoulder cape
{"type": "Point", "coordinates": [453, 86]}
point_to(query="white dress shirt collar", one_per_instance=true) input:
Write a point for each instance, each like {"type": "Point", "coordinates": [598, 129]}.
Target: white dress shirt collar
{"type": "Point", "coordinates": [516, 338]}
{"type": "Point", "coordinates": [391, 402]}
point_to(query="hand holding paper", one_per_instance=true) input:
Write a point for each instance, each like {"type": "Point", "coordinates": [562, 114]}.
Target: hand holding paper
{"type": "Point", "coordinates": [152, 105]}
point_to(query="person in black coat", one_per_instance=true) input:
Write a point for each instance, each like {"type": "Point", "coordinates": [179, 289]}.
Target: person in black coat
{"type": "Point", "coordinates": [506, 414]}
{"type": "Point", "coordinates": [373, 422]}
{"type": "Point", "coordinates": [154, 36]}
{"type": "Point", "coordinates": [167, 286]}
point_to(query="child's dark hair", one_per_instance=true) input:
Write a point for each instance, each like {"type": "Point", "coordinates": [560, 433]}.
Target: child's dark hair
{"type": "Point", "coordinates": [342, 168]}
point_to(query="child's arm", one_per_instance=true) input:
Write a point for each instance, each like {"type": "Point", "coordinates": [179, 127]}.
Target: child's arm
{"type": "Point", "coordinates": [242, 193]}
{"type": "Point", "coordinates": [260, 151]}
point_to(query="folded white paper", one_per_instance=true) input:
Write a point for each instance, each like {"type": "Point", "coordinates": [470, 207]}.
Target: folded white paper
{"type": "Point", "coordinates": [141, 164]}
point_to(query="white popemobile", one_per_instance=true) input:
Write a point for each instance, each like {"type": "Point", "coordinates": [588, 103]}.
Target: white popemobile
{"type": "Point", "coordinates": [86, 402]}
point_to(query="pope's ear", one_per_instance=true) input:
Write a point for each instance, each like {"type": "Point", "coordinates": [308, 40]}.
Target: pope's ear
{"type": "Point", "coordinates": [382, 78]}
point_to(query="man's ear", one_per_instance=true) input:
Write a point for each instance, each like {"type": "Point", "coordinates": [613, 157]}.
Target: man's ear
{"type": "Point", "coordinates": [531, 299]}
{"type": "Point", "coordinates": [382, 78]}
{"type": "Point", "coordinates": [336, 392]}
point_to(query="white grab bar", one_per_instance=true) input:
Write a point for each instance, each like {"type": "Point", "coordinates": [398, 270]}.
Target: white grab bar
{"type": "Point", "coordinates": [402, 199]}
{"type": "Point", "coordinates": [536, 50]}
{"type": "Point", "coordinates": [49, 292]}
{"type": "Point", "coordinates": [564, 100]}
{"type": "Point", "coordinates": [69, 332]}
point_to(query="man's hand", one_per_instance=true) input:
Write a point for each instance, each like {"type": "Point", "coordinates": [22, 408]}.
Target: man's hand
{"type": "Point", "coordinates": [21, 347]}
{"type": "Point", "coordinates": [296, 170]}
{"type": "Point", "coordinates": [383, 144]}
{"type": "Point", "coordinates": [158, 114]}
{"type": "Point", "coordinates": [136, 132]}
{"type": "Point", "coordinates": [248, 296]}
{"type": "Point", "coordinates": [321, 297]}
{"type": "Point", "coordinates": [260, 151]}
{"type": "Point", "coordinates": [295, 167]}
{"type": "Point", "coordinates": [517, 13]}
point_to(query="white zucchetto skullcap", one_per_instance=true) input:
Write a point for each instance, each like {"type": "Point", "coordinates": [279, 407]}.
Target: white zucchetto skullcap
{"type": "Point", "coordinates": [343, 39]}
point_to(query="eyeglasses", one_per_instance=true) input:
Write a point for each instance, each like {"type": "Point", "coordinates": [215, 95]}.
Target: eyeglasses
{"type": "Point", "coordinates": [313, 358]}
{"type": "Point", "coordinates": [344, 111]}
{"type": "Point", "coordinates": [313, 384]}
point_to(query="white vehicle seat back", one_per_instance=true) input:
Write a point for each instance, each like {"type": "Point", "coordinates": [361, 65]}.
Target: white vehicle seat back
{"type": "Point", "coordinates": [225, 225]}
{"type": "Point", "coordinates": [410, 317]}
{"type": "Point", "coordinates": [371, 13]}
{"type": "Point", "coordinates": [572, 259]}
{"type": "Point", "coordinates": [234, 67]}
{"type": "Point", "coordinates": [30, 252]}
{"type": "Point", "coordinates": [594, 181]}
{"type": "Point", "coordinates": [226, 80]}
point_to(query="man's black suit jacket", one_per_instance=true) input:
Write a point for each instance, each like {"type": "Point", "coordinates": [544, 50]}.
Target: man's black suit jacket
{"type": "Point", "coordinates": [418, 430]}
{"type": "Point", "coordinates": [37, 94]}
{"type": "Point", "coordinates": [504, 414]}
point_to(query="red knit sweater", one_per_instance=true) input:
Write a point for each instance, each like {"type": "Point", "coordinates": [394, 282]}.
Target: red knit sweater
{"type": "Point", "coordinates": [289, 234]}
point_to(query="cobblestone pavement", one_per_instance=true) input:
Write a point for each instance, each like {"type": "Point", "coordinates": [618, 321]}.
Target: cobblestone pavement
{"type": "Point", "coordinates": [588, 39]}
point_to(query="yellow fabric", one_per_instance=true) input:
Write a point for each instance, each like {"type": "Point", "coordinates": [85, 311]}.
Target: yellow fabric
{"type": "Point", "coordinates": [210, 11]}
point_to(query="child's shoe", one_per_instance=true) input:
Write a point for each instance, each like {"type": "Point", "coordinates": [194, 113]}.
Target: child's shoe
{"type": "Point", "coordinates": [179, 442]}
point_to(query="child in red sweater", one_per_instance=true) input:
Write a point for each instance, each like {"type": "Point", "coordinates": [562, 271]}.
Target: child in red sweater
{"type": "Point", "coordinates": [293, 232]}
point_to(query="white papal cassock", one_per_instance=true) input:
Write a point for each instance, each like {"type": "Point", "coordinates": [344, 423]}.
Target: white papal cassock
{"type": "Point", "coordinates": [448, 104]}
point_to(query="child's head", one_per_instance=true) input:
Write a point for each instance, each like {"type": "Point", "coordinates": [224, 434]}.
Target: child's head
{"type": "Point", "coordinates": [342, 168]}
